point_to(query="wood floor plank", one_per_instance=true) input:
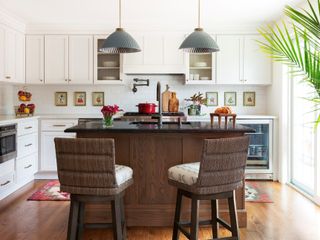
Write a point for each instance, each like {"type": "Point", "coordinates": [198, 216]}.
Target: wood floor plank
{"type": "Point", "coordinates": [290, 217]}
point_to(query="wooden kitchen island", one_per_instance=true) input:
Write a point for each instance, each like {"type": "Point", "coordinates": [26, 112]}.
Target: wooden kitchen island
{"type": "Point", "coordinates": [150, 150]}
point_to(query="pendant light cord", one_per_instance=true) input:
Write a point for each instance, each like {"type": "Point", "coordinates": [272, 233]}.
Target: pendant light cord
{"type": "Point", "coordinates": [119, 13]}
{"type": "Point", "coordinates": [199, 13]}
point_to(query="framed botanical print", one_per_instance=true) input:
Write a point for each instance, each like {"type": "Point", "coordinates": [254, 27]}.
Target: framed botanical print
{"type": "Point", "coordinates": [230, 99]}
{"type": "Point", "coordinates": [212, 98]}
{"type": "Point", "coordinates": [80, 98]}
{"type": "Point", "coordinates": [97, 98]}
{"type": "Point", "coordinates": [61, 99]}
{"type": "Point", "coordinates": [249, 99]}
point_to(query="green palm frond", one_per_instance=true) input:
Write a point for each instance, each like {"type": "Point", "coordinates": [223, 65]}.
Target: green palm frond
{"type": "Point", "coordinates": [299, 47]}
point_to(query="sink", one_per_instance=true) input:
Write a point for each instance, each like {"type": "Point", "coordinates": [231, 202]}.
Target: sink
{"type": "Point", "coordinates": [164, 123]}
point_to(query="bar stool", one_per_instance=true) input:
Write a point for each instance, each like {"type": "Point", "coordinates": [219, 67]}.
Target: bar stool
{"type": "Point", "coordinates": [87, 170]}
{"type": "Point", "coordinates": [219, 173]}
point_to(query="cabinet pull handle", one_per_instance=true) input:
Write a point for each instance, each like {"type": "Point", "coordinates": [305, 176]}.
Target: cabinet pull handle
{"type": "Point", "coordinates": [66, 80]}
{"type": "Point", "coordinates": [28, 145]}
{"type": "Point", "coordinates": [69, 80]}
{"type": "Point", "coordinates": [41, 80]}
{"type": "Point", "coordinates": [28, 127]}
{"type": "Point", "coordinates": [59, 125]}
{"type": "Point", "coordinates": [29, 166]}
{"type": "Point", "coordinates": [3, 184]}
{"type": "Point", "coordinates": [8, 77]}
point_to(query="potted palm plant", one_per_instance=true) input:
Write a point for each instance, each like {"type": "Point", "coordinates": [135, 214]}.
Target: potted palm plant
{"type": "Point", "coordinates": [196, 100]}
{"type": "Point", "coordinates": [297, 45]}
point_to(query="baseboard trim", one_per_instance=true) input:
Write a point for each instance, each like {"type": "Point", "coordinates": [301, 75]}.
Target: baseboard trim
{"type": "Point", "coordinates": [46, 175]}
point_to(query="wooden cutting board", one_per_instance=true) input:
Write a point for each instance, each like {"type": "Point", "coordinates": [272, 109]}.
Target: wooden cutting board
{"type": "Point", "coordinates": [166, 95]}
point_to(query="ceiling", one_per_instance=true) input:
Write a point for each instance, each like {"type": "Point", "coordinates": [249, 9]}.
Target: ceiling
{"type": "Point", "coordinates": [148, 14]}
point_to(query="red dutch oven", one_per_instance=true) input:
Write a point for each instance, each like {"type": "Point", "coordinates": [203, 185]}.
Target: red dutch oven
{"type": "Point", "coordinates": [147, 108]}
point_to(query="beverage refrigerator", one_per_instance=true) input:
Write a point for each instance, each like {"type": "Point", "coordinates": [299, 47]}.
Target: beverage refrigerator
{"type": "Point", "coordinates": [260, 151]}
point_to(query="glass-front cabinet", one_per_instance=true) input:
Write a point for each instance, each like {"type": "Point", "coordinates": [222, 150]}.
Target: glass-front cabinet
{"type": "Point", "coordinates": [260, 151]}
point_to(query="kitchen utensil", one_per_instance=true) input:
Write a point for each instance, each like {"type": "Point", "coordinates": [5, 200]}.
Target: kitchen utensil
{"type": "Point", "coordinates": [110, 64]}
{"type": "Point", "coordinates": [147, 108]}
{"type": "Point", "coordinates": [173, 103]}
{"type": "Point", "coordinates": [166, 95]}
{"type": "Point", "coordinates": [200, 64]}
{"type": "Point", "coordinates": [191, 76]}
{"type": "Point", "coordinates": [195, 76]}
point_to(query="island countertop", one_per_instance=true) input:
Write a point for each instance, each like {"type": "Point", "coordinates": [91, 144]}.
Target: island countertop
{"type": "Point", "coordinates": [150, 127]}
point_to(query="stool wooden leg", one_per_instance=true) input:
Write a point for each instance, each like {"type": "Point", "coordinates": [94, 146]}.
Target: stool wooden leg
{"type": "Point", "coordinates": [80, 220]}
{"type": "Point", "coordinates": [175, 234]}
{"type": "Point", "coordinates": [194, 219]}
{"type": "Point", "coordinates": [214, 215]}
{"type": "Point", "coordinates": [233, 216]}
{"type": "Point", "coordinates": [73, 220]}
{"type": "Point", "coordinates": [116, 218]}
{"type": "Point", "coordinates": [123, 219]}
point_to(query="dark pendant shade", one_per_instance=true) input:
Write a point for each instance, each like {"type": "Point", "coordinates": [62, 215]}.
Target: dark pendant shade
{"type": "Point", "coordinates": [120, 42]}
{"type": "Point", "coordinates": [199, 42]}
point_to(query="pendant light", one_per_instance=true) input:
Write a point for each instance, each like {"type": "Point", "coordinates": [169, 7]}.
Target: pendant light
{"type": "Point", "coordinates": [120, 41]}
{"type": "Point", "coordinates": [199, 41]}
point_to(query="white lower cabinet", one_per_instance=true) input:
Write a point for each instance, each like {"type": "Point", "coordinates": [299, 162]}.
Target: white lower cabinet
{"type": "Point", "coordinates": [6, 177]}
{"type": "Point", "coordinates": [26, 168]}
{"type": "Point", "coordinates": [48, 153]}
{"type": "Point", "coordinates": [51, 129]}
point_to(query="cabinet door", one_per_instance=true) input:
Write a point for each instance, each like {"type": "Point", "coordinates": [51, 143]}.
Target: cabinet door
{"type": "Point", "coordinates": [228, 59]}
{"type": "Point", "coordinates": [10, 55]}
{"type": "Point", "coordinates": [35, 59]}
{"type": "Point", "coordinates": [20, 58]}
{"type": "Point", "coordinates": [48, 152]}
{"type": "Point", "coordinates": [256, 65]}
{"type": "Point", "coordinates": [80, 59]}
{"type": "Point", "coordinates": [2, 53]}
{"type": "Point", "coordinates": [56, 59]}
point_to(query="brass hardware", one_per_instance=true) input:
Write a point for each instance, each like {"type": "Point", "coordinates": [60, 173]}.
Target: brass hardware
{"type": "Point", "coordinates": [28, 127]}
{"type": "Point", "coordinates": [8, 77]}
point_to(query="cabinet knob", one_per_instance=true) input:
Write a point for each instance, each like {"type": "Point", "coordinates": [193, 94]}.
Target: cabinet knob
{"type": "Point", "coordinates": [69, 80]}
{"type": "Point", "coordinates": [41, 80]}
{"type": "Point", "coordinates": [66, 80]}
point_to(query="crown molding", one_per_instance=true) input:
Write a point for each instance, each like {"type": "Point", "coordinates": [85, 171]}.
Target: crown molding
{"type": "Point", "coordinates": [10, 20]}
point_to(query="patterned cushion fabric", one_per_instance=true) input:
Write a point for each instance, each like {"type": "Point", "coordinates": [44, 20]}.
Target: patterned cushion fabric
{"type": "Point", "coordinates": [123, 174]}
{"type": "Point", "coordinates": [185, 173]}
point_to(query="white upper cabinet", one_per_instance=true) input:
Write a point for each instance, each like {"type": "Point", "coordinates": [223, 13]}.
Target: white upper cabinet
{"type": "Point", "coordinates": [12, 51]}
{"type": "Point", "coordinates": [56, 59]}
{"type": "Point", "coordinates": [35, 59]}
{"type": "Point", "coordinates": [160, 54]}
{"type": "Point", "coordinates": [228, 59]}
{"type": "Point", "coordinates": [256, 65]}
{"type": "Point", "coordinates": [81, 59]}
{"type": "Point", "coordinates": [240, 61]}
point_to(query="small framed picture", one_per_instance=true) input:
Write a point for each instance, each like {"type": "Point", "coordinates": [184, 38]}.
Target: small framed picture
{"type": "Point", "coordinates": [79, 98]}
{"type": "Point", "coordinates": [249, 99]}
{"type": "Point", "coordinates": [61, 98]}
{"type": "Point", "coordinates": [97, 98]}
{"type": "Point", "coordinates": [212, 98]}
{"type": "Point", "coordinates": [230, 99]}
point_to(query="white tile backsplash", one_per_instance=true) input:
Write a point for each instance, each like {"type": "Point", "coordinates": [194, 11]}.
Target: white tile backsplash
{"type": "Point", "coordinates": [43, 95]}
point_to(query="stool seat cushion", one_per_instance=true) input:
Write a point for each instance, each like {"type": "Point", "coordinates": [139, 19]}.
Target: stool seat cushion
{"type": "Point", "coordinates": [123, 173]}
{"type": "Point", "coordinates": [185, 173]}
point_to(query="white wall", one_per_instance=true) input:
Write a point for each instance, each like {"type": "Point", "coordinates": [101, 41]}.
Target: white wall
{"type": "Point", "coordinates": [6, 99]}
{"type": "Point", "coordinates": [43, 96]}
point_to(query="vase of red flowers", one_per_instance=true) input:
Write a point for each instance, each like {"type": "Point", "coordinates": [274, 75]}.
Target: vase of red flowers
{"type": "Point", "coordinates": [108, 112]}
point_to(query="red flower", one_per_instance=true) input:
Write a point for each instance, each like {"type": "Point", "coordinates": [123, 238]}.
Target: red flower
{"type": "Point", "coordinates": [110, 110]}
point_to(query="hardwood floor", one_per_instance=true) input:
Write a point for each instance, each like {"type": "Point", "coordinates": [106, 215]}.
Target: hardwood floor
{"type": "Point", "coordinates": [290, 217]}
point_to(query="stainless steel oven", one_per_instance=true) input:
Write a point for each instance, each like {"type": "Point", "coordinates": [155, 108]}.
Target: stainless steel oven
{"type": "Point", "coordinates": [8, 142]}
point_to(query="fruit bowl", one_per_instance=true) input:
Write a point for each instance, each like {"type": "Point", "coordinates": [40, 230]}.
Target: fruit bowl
{"type": "Point", "coordinates": [24, 96]}
{"type": "Point", "coordinates": [25, 110]}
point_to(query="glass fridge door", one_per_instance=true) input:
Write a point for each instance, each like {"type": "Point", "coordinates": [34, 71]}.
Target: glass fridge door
{"type": "Point", "coordinates": [259, 146]}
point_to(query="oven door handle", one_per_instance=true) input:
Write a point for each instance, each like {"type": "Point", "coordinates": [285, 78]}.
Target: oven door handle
{"type": "Point", "coordinates": [9, 133]}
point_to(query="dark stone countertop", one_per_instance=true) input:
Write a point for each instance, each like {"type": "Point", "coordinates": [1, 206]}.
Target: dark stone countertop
{"type": "Point", "coordinates": [169, 127]}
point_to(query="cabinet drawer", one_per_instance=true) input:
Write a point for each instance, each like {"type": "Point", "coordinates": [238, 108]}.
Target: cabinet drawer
{"type": "Point", "coordinates": [27, 127]}
{"type": "Point", "coordinates": [57, 125]}
{"type": "Point", "coordinates": [6, 181]}
{"type": "Point", "coordinates": [6, 167]}
{"type": "Point", "coordinates": [26, 167]}
{"type": "Point", "coordinates": [27, 145]}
